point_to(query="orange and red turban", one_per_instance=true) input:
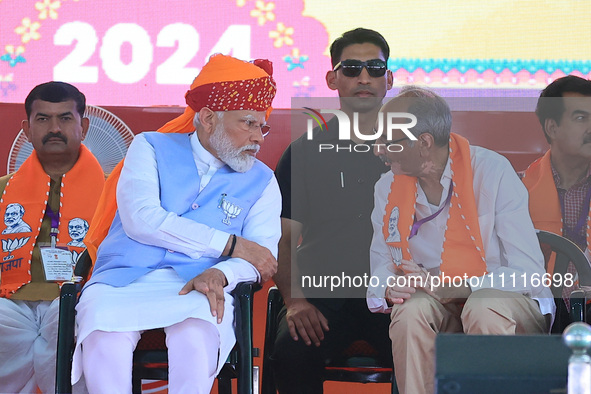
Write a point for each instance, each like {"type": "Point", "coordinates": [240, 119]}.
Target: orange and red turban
{"type": "Point", "coordinates": [228, 84]}
{"type": "Point", "coordinates": [224, 84]}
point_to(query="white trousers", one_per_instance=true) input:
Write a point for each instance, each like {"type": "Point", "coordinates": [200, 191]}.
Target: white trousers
{"type": "Point", "coordinates": [193, 352]}
{"type": "Point", "coordinates": [28, 343]}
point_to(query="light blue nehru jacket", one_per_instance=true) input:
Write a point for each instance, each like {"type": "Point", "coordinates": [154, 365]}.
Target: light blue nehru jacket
{"type": "Point", "coordinates": [122, 260]}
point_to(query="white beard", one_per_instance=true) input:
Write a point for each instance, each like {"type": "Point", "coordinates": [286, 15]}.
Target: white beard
{"type": "Point", "coordinates": [229, 154]}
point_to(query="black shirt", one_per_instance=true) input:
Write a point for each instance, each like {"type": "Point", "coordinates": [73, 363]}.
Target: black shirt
{"type": "Point", "coordinates": [330, 191]}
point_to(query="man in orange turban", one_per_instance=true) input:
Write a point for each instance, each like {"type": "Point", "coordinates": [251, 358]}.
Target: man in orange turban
{"type": "Point", "coordinates": [193, 207]}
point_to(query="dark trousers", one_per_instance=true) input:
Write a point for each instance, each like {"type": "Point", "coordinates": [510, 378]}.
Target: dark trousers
{"type": "Point", "coordinates": [298, 367]}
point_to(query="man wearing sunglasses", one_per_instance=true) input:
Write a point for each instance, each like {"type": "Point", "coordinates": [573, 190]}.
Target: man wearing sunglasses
{"type": "Point", "coordinates": [327, 199]}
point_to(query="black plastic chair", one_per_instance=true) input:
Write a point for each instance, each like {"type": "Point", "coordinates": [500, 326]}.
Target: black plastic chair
{"type": "Point", "coordinates": [152, 362]}
{"type": "Point", "coordinates": [353, 369]}
{"type": "Point", "coordinates": [150, 359]}
{"type": "Point", "coordinates": [566, 251]}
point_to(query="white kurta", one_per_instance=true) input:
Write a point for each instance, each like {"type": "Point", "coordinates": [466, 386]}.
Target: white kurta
{"type": "Point", "coordinates": [512, 252]}
{"type": "Point", "coordinates": [152, 301]}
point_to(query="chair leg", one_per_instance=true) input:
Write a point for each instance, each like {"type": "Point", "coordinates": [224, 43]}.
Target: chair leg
{"type": "Point", "coordinates": [65, 338]}
{"type": "Point", "coordinates": [244, 337]}
{"type": "Point", "coordinates": [136, 385]}
{"type": "Point", "coordinates": [244, 381]}
{"type": "Point", "coordinates": [394, 385]}
{"type": "Point", "coordinates": [224, 385]}
{"type": "Point", "coordinates": [274, 304]}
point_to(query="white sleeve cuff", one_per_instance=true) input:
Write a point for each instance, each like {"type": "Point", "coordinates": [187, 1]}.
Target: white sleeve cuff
{"type": "Point", "coordinates": [378, 305]}
{"type": "Point", "coordinates": [218, 243]}
{"type": "Point", "coordinates": [237, 270]}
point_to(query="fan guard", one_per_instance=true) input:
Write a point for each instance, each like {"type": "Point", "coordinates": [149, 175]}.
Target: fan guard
{"type": "Point", "coordinates": [108, 138]}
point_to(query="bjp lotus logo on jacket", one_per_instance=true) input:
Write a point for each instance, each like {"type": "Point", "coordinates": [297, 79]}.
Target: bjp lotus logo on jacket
{"type": "Point", "coordinates": [229, 209]}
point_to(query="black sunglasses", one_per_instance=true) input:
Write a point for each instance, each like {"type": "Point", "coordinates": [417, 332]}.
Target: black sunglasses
{"type": "Point", "coordinates": [352, 68]}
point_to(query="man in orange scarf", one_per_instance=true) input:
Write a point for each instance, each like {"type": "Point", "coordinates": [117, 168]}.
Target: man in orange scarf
{"type": "Point", "coordinates": [461, 233]}
{"type": "Point", "coordinates": [559, 183]}
{"type": "Point", "coordinates": [189, 204]}
{"type": "Point", "coordinates": [60, 182]}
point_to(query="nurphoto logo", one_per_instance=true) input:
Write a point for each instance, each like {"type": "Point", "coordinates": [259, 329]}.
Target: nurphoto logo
{"type": "Point", "coordinates": [392, 122]}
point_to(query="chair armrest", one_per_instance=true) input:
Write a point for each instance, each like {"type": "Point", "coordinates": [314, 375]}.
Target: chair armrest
{"type": "Point", "coordinates": [243, 297]}
{"type": "Point", "coordinates": [274, 305]}
{"type": "Point", "coordinates": [83, 266]}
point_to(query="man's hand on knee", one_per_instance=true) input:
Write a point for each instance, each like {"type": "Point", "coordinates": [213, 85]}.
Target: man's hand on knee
{"type": "Point", "coordinates": [443, 292]}
{"type": "Point", "coordinates": [397, 294]}
{"type": "Point", "coordinates": [257, 255]}
{"type": "Point", "coordinates": [210, 282]}
{"type": "Point", "coordinates": [305, 319]}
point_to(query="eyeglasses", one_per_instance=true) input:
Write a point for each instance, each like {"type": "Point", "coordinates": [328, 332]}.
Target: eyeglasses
{"type": "Point", "coordinates": [352, 68]}
{"type": "Point", "coordinates": [388, 143]}
{"type": "Point", "coordinates": [251, 126]}
{"type": "Point", "coordinates": [396, 141]}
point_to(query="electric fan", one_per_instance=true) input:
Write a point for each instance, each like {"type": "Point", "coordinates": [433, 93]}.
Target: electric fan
{"type": "Point", "coordinates": [107, 138]}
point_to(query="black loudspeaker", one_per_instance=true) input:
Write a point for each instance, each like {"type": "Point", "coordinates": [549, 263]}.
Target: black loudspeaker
{"type": "Point", "coordinates": [493, 364]}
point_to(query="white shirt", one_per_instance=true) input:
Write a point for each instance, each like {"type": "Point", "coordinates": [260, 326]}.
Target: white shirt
{"type": "Point", "coordinates": [514, 260]}
{"type": "Point", "coordinates": [144, 220]}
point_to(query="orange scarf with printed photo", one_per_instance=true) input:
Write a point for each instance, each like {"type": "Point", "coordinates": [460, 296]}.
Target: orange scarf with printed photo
{"type": "Point", "coordinates": [463, 251]}
{"type": "Point", "coordinates": [29, 187]}
{"type": "Point", "coordinates": [544, 204]}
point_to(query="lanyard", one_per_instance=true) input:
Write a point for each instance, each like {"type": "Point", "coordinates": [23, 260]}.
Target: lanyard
{"type": "Point", "coordinates": [55, 222]}
{"type": "Point", "coordinates": [575, 234]}
{"type": "Point", "coordinates": [417, 224]}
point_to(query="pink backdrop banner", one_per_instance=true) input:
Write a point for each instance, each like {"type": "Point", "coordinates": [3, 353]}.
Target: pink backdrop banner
{"type": "Point", "coordinates": [147, 53]}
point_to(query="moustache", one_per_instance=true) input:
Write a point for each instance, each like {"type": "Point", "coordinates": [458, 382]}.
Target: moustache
{"type": "Point", "coordinates": [54, 135]}
{"type": "Point", "coordinates": [254, 147]}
